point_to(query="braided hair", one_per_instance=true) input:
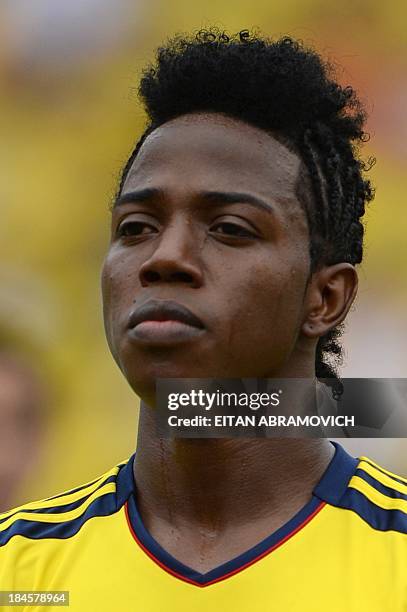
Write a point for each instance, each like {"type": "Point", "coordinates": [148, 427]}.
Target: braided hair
{"type": "Point", "coordinates": [284, 88]}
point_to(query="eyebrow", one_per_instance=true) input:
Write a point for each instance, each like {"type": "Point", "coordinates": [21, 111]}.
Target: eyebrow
{"type": "Point", "coordinates": [222, 197]}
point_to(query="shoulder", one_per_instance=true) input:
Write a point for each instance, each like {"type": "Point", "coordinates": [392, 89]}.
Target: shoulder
{"type": "Point", "coordinates": [378, 496]}
{"type": "Point", "coordinates": [63, 515]}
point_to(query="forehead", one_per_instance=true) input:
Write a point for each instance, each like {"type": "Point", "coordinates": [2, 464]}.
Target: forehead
{"type": "Point", "coordinates": [204, 151]}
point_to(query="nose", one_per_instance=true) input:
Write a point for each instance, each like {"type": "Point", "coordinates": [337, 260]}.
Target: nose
{"type": "Point", "coordinates": [175, 258]}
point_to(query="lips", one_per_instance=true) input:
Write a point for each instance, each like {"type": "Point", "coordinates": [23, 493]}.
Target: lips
{"type": "Point", "coordinates": [160, 310]}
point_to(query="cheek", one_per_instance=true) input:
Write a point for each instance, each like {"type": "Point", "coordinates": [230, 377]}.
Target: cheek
{"type": "Point", "coordinates": [267, 308]}
{"type": "Point", "coordinates": [118, 286]}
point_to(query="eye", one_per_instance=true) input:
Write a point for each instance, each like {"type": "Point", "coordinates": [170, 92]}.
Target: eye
{"type": "Point", "coordinates": [135, 228]}
{"type": "Point", "coordinates": [227, 228]}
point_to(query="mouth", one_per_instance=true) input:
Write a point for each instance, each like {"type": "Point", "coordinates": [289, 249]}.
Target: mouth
{"type": "Point", "coordinates": [163, 322]}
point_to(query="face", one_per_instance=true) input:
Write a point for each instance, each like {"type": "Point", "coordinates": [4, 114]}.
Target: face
{"type": "Point", "coordinates": [21, 403]}
{"type": "Point", "coordinates": [208, 263]}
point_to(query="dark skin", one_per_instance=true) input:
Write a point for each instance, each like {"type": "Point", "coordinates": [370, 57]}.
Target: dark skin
{"type": "Point", "coordinates": [241, 264]}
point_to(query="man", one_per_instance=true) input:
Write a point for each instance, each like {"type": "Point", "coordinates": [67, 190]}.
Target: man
{"type": "Point", "coordinates": [22, 417]}
{"type": "Point", "coordinates": [235, 236]}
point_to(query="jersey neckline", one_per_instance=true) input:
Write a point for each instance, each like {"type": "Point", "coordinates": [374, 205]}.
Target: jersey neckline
{"type": "Point", "coordinates": [329, 489]}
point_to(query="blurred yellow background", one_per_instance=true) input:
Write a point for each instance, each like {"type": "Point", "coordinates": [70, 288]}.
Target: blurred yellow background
{"type": "Point", "coordinates": [69, 117]}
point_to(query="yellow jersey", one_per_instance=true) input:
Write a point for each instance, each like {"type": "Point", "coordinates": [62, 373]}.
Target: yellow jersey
{"type": "Point", "coordinates": [346, 550]}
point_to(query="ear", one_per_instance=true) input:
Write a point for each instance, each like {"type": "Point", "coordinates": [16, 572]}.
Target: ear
{"type": "Point", "coordinates": [329, 296]}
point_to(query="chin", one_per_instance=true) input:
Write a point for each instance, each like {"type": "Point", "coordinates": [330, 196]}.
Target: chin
{"type": "Point", "coordinates": [144, 383]}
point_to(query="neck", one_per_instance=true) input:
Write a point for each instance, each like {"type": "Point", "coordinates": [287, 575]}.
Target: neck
{"type": "Point", "coordinates": [202, 483]}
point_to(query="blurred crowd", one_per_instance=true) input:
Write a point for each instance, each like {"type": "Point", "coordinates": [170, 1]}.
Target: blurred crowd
{"type": "Point", "coordinates": [69, 117]}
